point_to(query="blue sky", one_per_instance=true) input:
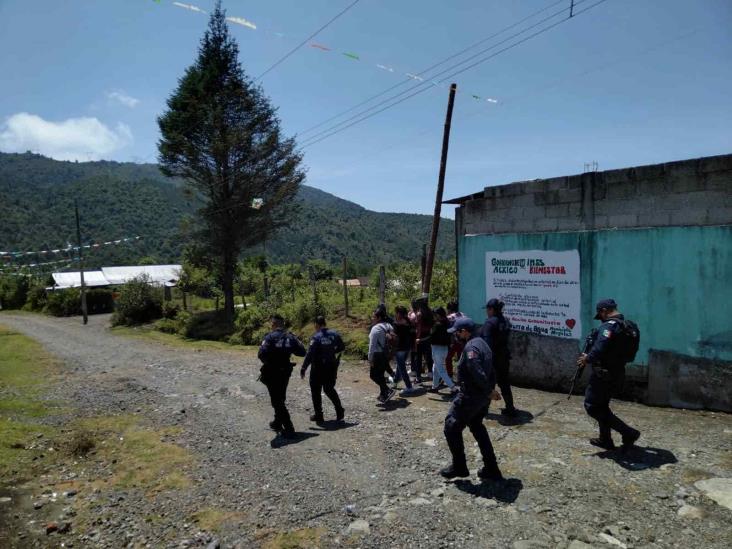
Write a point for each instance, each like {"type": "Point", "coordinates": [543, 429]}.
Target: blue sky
{"type": "Point", "coordinates": [629, 82]}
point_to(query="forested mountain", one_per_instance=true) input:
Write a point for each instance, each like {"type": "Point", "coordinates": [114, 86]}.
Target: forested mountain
{"type": "Point", "coordinates": [118, 200]}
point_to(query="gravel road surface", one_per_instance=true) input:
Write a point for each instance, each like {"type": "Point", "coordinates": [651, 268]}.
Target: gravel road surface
{"type": "Point", "coordinates": [373, 482]}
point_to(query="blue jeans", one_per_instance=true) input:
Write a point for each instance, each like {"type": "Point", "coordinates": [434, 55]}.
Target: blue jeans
{"type": "Point", "coordinates": [401, 370]}
{"type": "Point", "coordinates": [439, 354]}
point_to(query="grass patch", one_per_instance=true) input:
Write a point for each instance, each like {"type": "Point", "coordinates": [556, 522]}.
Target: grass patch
{"type": "Point", "coordinates": [141, 458]}
{"type": "Point", "coordinates": [23, 370]}
{"type": "Point", "coordinates": [211, 519]}
{"type": "Point", "coordinates": [304, 538]}
{"type": "Point", "coordinates": [174, 340]}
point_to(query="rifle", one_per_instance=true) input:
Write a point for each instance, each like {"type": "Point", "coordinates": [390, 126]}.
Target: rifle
{"type": "Point", "coordinates": [589, 342]}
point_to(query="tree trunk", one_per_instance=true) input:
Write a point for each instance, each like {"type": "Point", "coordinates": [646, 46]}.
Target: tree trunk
{"type": "Point", "coordinates": [228, 287]}
{"type": "Point", "coordinates": [185, 302]}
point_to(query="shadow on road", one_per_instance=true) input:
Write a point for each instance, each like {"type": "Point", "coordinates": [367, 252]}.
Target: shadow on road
{"type": "Point", "coordinates": [333, 425]}
{"type": "Point", "coordinates": [393, 404]}
{"type": "Point", "coordinates": [522, 417]}
{"type": "Point", "coordinates": [639, 458]}
{"type": "Point", "coordinates": [279, 441]}
{"type": "Point", "coordinates": [505, 490]}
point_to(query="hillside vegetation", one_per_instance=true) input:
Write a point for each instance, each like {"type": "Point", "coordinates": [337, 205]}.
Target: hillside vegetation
{"type": "Point", "coordinates": [125, 199]}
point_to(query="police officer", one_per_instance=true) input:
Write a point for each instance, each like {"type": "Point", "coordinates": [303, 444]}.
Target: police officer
{"type": "Point", "coordinates": [476, 388]}
{"type": "Point", "coordinates": [608, 374]}
{"type": "Point", "coordinates": [325, 345]}
{"type": "Point", "coordinates": [275, 352]}
{"type": "Point", "coordinates": [495, 332]}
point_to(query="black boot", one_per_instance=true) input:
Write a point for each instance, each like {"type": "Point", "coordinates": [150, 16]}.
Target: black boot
{"type": "Point", "coordinates": [604, 443]}
{"type": "Point", "coordinates": [452, 471]}
{"type": "Point", "coordinates": [340, 414]}
{"type": "Point", "coordinates": [275, 425]}
{"type": "Point", "coordinates": [490, 472]}
{"type": "Point", "coordinates": [629, 438]}
{"type": "Point", "coordinates": [317, 418]}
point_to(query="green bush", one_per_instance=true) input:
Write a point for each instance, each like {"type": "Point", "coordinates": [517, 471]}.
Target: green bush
{"type": "Point", "coordinates": [63, 302]}
{"type": "Point", "coordinates": [36, 299]}
{"type": "Point", "coordinates": [209, 325]}
{"type": "Point", "coordinates": [138, 303]}
{"type": "Point", "coordinates": [13, 291]}
{"type": "Point", "coordinates": [248, 322]}
{"type": "Point", "coordinates": [170, 310]}
{"type": "Point", "coordinates": [99, 300]}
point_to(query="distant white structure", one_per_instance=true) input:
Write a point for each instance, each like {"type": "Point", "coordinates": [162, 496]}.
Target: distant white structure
{"type": "Point", "coordinates": [73, 279]}
{"type": "Point", "coordinates": [159, 275]}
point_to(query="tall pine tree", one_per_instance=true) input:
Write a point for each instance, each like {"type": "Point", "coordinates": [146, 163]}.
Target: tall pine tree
{"type": "Point", "coordinates": [222, 136]}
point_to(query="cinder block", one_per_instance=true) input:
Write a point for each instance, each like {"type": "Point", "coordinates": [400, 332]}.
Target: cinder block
{"type": "Point", "coordinates": [519, 201]}
{"type": "Point", "coordinates": [623, 220]}
{"type": "Point", "coordinates": [510, 190]}
{"type": "Point", "coordinates": [688, 216]}
{"type": "Point", "coordinates": [719, 216]}
{"type": "Point", "coordinates": [569, 224]}
{"type": "Point", "coordinates": [654, 218]}
{"type": "Point", "coordinates": [599, 187]}
{"type": "Point", "coordinates": [556, 210]}
{"type": "Point", "coordinates": [652, 171]}
{"type": "Point", "coordinates": [719, 163]}
{"type": "Point", "coordinates": [684, 182]}
{"type": "Point", "coordinates": [622, 190]}
{"type": "Point", "coordinates": [554, 184]}
{"type": "Point", "coordinates": [574, 209]}
{"type": "Point", "coordinates": [544, 225]}
{"type": "Point", "coordinates": [574, 182]}
{"type": "Point", "coordinates": [614, 207]}
{"type": "Point", "coordinates": [616, 176]}
{"type": "Point", "coordinates": [489, 192]}
{"type": "Point", "coordinates": [652, 187]}
{"type": "Point", "coordinates": [719, 181]}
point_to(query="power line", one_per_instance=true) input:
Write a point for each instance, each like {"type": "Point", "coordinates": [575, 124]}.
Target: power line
{"type": "Point", "coordinates": [554, 84]}
{"type": "Point", "coordinates": [301, 44]}
{"type": "Point", "coordinates": [423, 71]}
{"type": "Point", "coordinates": [431, 81]}
{"type": "Point", "coordinates": [362, 116]}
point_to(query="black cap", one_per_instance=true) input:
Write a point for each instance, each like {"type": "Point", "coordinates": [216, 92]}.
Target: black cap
{"type": "Point", "coordinates": [605, 304]}
{"type": "Point", "coordinates": [462, 323]}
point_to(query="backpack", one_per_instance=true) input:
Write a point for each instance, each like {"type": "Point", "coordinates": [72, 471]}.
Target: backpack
{"type": "Point", "coordinates": [392, 343]}
{"type": "Point", "coordinates": [628, 340]}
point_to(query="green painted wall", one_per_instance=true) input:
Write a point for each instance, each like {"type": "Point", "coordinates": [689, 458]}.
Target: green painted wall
{"type": "Point", "coordinates": [675, 282]}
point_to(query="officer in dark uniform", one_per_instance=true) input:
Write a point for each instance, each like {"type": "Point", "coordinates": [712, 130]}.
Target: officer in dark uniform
{"type": "Point", "coordinates": [275, 352]}
{"type": "Point", "coordinates": [476, 381]}
{"type": "Point", "coordinates": [325, 346]}
{"type": "Point", "coordinates": [608, 374]}
{"type": "Point", "coordinates": [495, 332]}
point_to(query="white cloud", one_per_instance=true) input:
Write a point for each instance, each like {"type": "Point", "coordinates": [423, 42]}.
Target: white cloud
{"type": "Point", "coordinates": [123, 98]}
{"type": "Point", "coordinates": [72, 139]}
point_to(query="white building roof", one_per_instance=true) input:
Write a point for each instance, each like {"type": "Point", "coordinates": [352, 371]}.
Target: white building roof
{"type": "Point", "coordinates": [73, 279]}
{"type": "Point", "coordinates": [158, 274]}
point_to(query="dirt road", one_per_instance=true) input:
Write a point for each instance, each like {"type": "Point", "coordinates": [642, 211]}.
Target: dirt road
{"type": "Point", "coordinates": [373, 482]}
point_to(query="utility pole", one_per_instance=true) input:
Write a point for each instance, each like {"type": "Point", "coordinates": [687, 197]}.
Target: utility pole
{"type": "Point", "coordinates": [81, 264]}
{"type": "Point", "coordinates": [438, 199]}
{"type": "Point", "coordinates": [423, 265]}
{"type": "Point", "coordinates": [345, 285]}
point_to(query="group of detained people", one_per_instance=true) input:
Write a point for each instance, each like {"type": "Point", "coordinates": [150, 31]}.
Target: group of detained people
{"type": "Point", "coordinates": [422, 339]}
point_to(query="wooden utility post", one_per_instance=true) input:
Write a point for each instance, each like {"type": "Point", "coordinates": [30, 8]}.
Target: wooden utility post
{"type": "Point", "coordinates": [422, 265]}
{"type": "Point", "coordinates": [438, 199]}
{"type": "Point", "coordinates": [345, 285]}
{"type": "Point", "coordinates": [382, 285]}
{"type": "Point", "coordinates": [81, 264]}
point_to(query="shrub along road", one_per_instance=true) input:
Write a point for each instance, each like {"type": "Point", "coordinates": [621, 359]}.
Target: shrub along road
{"type": "Point", "coordinates": [168, 445]}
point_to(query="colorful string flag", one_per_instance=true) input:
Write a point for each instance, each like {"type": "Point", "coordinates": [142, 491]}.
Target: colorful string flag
{"type": "Point", "coordinates": [384, 68]}
{"type": "Point", "coordinates": [415, 77]}
{"type": "Point", "coordinates": [257, 203]}
{"type": "Point", "coordinates": [243, 22]}
{"type": "Point", "coordinates": [319, 46]}
{"type": "Point", "coordinates": [188, 7]}
{"type": "Point", "coordinates": [352, 55]}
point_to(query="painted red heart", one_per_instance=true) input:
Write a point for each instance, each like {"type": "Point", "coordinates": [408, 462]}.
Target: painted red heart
{"type": "Point", "coordinates": [570, 322]}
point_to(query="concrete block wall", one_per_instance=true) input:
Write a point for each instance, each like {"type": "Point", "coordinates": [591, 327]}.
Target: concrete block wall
{"type": "Point", "coordinates": [688, 192]}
